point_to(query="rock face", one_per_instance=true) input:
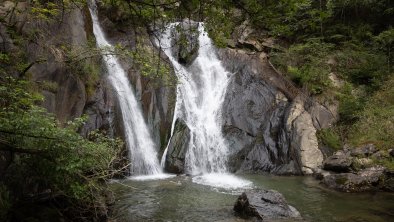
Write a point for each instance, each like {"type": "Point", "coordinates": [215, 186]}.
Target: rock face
{"type": "Point", "coordinates": [264, 204]}
{"type": "Point", "coordinates": [185, 42]}
{"type": "Point", "coordinates": [175, 159]}
{"type": "Point", "coordinates": [68, 100]}
{"type": "Point", "coordinates": [72, 97]}
{"type": "Point", "coordinates": [268, 126]}
{"type": "Point", "coordinates": [266, 123]}
{"type": "Point", "coordinates": [100, 110]}
{"type": "Point", "coordinates": [300, 127]}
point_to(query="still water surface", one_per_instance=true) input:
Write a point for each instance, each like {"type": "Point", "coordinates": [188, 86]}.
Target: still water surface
{"type": "Point", "coordinates": [179, 199]}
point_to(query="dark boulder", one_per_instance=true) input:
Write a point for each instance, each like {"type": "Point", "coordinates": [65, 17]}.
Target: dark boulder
{"type": "Point", "coordinates": [185, 42]}
{"type": "Point", "coordinates": [388, 184]}
{"type": "Point", "coordinates": [364, 151]}
{"type": "Point", "coordinates": [365, 180]}
{"type": "Point", "coordinates": [264, 204]}
{"type": "Point", "coordinates": [338, 162]}
{"type": "Point", "coordinates": [177, 148]}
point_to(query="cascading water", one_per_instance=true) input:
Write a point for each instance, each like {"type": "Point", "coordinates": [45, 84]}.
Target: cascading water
{"type": "Point", "coordinates": [142, 149]}
{"type": "Point", "coordinates": [200, 95]}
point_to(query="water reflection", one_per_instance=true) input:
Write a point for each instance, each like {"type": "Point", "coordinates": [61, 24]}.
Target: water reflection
{"type": "Point", "coordinates": [179, 199]}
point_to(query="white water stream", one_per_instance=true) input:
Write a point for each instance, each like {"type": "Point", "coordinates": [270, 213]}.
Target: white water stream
{"type": "Point", "coordinates": [200, 94]}
{"type": "Point", "coordinates": [142, 149]}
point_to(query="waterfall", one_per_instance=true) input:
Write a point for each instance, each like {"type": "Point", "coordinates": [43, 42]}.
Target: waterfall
{"type": "Point", "coordinates": [200, 95]}
{"type": "Point", "coordinates": [142, 149]}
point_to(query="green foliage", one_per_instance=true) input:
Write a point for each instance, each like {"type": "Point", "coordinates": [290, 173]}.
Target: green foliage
{"type": "Point", "coordinates": [330, 138]}
{"type": "Point", "coordinates": [49, 10]}
{"type": "Point", "coordinates": [387, 162]}
{"type": "Point", "coordinates": [351, 104]}
{"type": "Point", "coordinates": [362, 66]}
{"type": "Point", "coordinates": [51, 156]}
{"type": "Point", "coordinates": [46, 11]}
{"type": "Point", "coordinates": [376, 119]}
{"type": "Point", "coordinates": [149, 63]}
{"type": "Point", "coordinates": [5, 202]}
{"type": "Point", "coordinates": [306, 64]}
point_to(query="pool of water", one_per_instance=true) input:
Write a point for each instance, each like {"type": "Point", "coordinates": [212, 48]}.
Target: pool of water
{"type": "Point", "coordinates": [180, 199]}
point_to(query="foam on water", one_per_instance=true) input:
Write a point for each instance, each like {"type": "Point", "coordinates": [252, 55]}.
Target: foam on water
{"type": "Point", "coordinates": [161, 176]}
{"type": "Point", "coordinates": [224, 181]}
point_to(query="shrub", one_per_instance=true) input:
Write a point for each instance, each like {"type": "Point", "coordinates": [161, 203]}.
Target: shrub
{"type": "Point", "coordinates": [306, 64]}
{"type": "Point", "coordinates": [330, 138]}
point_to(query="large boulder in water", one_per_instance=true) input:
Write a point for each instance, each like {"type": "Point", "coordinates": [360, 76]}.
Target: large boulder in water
{"type": "Point", "coordinates": [185, 42]}
{"type": "Point", "coordinates": [177, 148]}
{"type": "Point", "coordinates": [264, 204]}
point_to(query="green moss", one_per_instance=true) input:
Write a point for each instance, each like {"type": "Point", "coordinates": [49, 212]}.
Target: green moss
{"type": "Point", "coordinates": [341, 180]}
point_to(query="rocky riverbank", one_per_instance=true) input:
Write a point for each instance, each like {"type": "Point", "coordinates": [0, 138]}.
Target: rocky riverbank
{"type": "Point", "coordinates": [358, 170]}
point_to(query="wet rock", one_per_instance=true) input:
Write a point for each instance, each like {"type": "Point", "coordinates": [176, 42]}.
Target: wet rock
{"type": "Point", "coordinates": [365, 180]}
{"type": "Point", "coordinates": [185, 42]}
{"type": "Point", "coordinates": [267, 126]}
{"type": "Point", "coordinates": [100, 110]}
{"type": "Point", "coordinates": [175, 159]}
{"type": "Point", "coordinates": [253, 116]}
{"type": "Point", "coordinates": [338, 162]}
{"type": "Point", "coordinates": [319, 174]}
{"type": "Point", "coordinates": [264, 204]}
{"type": "Point", "coordinates": [364, 151]}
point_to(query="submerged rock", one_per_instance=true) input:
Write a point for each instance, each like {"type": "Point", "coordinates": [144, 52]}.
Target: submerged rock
{"type": "Point", "coordinates": [264, 204]}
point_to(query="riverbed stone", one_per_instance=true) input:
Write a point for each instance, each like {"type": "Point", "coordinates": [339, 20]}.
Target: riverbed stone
{"type": "Point", "coordinates": [365, 180]}
{"type": "Point", "coordinates": [364, 151]}
{"type": "Point", "coordinates": [264, 204]}
{"type": "Point", "coordinates": [338, 162]}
